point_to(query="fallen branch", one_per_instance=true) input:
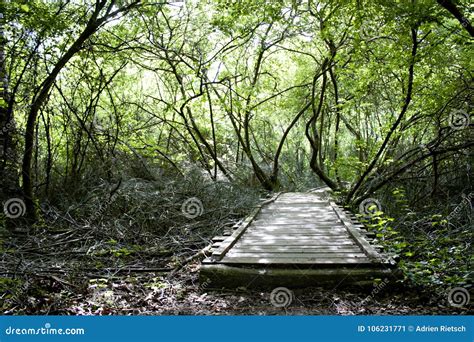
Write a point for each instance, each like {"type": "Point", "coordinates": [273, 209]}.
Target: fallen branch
{"type": "Point", "coordinates": [201, 254]}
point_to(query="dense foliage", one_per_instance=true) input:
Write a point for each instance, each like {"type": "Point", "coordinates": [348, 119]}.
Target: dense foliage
{"type": "Point", "coordinates": [127, 108]}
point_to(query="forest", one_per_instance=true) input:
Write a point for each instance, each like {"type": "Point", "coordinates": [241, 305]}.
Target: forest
{"type": "Point", "coordinates": [132, 132]}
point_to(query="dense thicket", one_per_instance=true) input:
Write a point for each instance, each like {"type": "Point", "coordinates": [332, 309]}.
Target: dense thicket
{"type": "Point", "coordinates": [370, 98]}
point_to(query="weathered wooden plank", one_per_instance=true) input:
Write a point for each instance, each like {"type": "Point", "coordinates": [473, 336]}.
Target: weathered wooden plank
{"type": "Point", "coordinates": [231, 240]}
{"type": "Point", "coordinates": [293, 205]}
{"type": "Point", "coordinates": [302, 218]}
{"type": "Point", "coordinates": [314, 224]}
{"type": "Point", "coordinates": [232, 276]}
{"type": "Point", "coordinates": [284, 198]}
{"type": "Point", "coordinates": [301, 242]}
{"type": "Point", "coordinates": [303, 209]}
{"type": "Point", "coordinates": [292, 210]}
{"type": "Point", "coordinates": [323, 214]}
{"type": "Point", "coordinates": [297, 238]}
{"type": "Point", "coordinates": [277, 249]}
{"type": "Point", "coordinates": [293, 225]}
{"type": "Point", "coordinates": [295, 255]}
{"type": "Point", "coordinates": [301, 203]}
{"type": "Point", "coordinates": [260, 224]}
{"type": "Point", "coordinates": [281, 251]}
{"type": "Point", "coordinates": [297, 231]}
{"type": "Point", "coordinates": [294, 228]}
{"type": "Point", "coordinates": [296, 203]}
{"type": "Point", "coordinates": [359, 239]}
{"type": "Point", "coordinates": [366, 233]}
{"type": "Point", "coordinates": [219, 238]}
{"type": "Point", "coordinates": [296, 261]}
{"type": "Point", "coordinates": [299, 210]}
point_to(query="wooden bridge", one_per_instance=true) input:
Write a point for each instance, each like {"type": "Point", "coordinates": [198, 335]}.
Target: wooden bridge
{"type": "Point", "coordinates": [295, 240]}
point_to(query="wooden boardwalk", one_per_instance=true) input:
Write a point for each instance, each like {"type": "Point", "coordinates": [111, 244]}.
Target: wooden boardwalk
{"type": "Point", "coordinates": [295, 239]}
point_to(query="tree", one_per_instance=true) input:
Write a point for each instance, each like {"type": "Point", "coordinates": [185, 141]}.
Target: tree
{"type": "Point", "coordinates": [102, 12]}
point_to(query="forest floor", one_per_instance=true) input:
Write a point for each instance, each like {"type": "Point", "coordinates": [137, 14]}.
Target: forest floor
{"type": "Point", "coordinates": [38, 282]}
{"type": "Point", "coordinates": [152, 295]}
{"type": "Point", "coordinates": [184, 296]}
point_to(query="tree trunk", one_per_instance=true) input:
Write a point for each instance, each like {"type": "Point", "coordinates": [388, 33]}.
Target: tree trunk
{"type": "Point", "coordinates": [9, 185]}
{"type": "Point", "coordinates": [451, 7]}
{"type": "Point", "coordinates": [92, 26]}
